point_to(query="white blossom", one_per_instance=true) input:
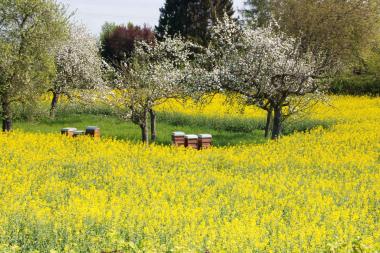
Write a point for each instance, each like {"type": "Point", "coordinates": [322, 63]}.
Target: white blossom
{"type": "Point", "coordinates": [266, 67]}
{"type": "Point", "coordinates": [156, 71]}
{"type": "Point", "coordinates": [258, 61]}
{"type": "Point", "coordinates": [78, 62]}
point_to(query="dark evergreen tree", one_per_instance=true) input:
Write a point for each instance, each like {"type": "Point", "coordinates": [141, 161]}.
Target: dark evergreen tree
{"type": "Point", "coordinates": [173, 17]}
{"type": "Point", "coordinates": [257, 12]}
{"type": "Point", "coordinates": [192, 18]}
{"type": "Point", "coordinates": [221, 7]}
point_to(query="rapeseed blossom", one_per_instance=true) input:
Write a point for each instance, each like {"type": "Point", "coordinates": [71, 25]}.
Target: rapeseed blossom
{"type": "Point", "coordinates": [308, 192]}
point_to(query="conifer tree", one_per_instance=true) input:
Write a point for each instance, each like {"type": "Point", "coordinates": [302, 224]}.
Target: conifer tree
{"type": "Point", "coordinates": [220, 7]}
{"type": "Point", "coordinates": [192, 19]}
{"type": "Point", "coordinates": [257, 12]}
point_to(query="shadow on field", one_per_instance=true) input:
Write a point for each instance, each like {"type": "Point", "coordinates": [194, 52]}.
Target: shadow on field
{"type": "Point", "coordinates": [226, 131]}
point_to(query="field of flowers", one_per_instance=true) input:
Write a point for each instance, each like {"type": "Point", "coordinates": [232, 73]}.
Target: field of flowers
{"type": "Point", "coordinates": [307, 192]}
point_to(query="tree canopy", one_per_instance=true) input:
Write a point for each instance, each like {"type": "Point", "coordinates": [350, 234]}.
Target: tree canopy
{"type": "Point", "coordinates": [339, 28]}
{"type": "Point", "coordinates": [118, 41]}
{"type": "Point", "coordinates": [29, 29]}
{"type": "Point", "coordinates": [265, 67]}
{"type": "Point", "coordinates": [155, 72]}
{"type": "Point", "coordinates": [78, 64]}
{"type": "Point", "coordinates": [192, 19]}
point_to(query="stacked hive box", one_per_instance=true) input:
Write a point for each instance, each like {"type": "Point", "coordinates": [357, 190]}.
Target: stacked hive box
{"type": "Point", "coordinates": [204, 141]}
{"type": "Point", "coordinates": [93, 131]}
{"type": "Point", "coordinates": [68, 131]}
{"type": "Point", "coordinates": [178, 139]}
{"type": "Point", "coordinates": [191, 141]}
{"type": "Point", "coordinates": [78, 133]}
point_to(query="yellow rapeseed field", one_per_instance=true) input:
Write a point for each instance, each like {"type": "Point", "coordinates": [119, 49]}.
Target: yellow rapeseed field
{"type": "Point", "coordinates": [215, 106]}
{"type": "Point", "coordinates": [308, 192]}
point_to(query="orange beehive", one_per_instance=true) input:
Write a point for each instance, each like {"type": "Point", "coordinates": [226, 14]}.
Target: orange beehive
{"type": "Point", "coordinates": [178, 139]}
{"type": "Point", "coordinates": [93, 131]}
{"type": "Point", "coordinates": [191, 141]}
{"type": "Point", "coordinates": [204, 141]}
{"type": "Point", "coordinates": [68, 131]}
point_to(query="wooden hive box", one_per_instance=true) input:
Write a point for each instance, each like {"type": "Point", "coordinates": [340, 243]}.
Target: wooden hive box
{"type": "Point", "coordinates": [78, 133]}
{"type": "Point", "coordinates": [204, 141]}
{"type": "Point", "coordinates": [191, 141]}
{"type": "Point", "coordinates": [68, 131]}
{"type": "Point", "coordinates": [178, 139]}
{"type": "Point", "coordinates": [93, 131]}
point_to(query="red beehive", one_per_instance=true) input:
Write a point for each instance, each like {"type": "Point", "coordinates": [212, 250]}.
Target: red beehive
{"type": "Point", "coordinates": [68, 131]}
{"type": "Point", "coordinates": [178, 139]}
{"type": "Point", "coordinates": [204, 141]}
{"type": "Point", "coordinates": [93, 131]}
{"type": "Point", "coordinates": [191, 141]}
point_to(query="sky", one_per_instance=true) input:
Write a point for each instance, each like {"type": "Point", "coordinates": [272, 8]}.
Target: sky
{"type": "Point", "coordinates": [94, 13]}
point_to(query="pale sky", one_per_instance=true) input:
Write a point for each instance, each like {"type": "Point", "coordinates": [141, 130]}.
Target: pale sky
{"type": "Point", "coordinates": [94, 13]}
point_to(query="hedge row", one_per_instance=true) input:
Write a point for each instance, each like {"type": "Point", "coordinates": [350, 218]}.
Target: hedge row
{"type": "Point", "coordinates": [357, 85]}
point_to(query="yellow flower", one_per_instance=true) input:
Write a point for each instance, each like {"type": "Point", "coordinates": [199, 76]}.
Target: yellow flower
{"type": "Point", "coordinates": [308, 192]}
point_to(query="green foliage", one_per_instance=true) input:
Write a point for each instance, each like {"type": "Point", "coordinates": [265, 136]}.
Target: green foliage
{"type": "Point", "coordinates": [342, 29]}
{"type": "Point", "coordinates": [363, 77]}
{"type": "Point", "coordinates": [191, 19]}
{"type": "Point", "coordinates": [29, 29]}
{"type": "Point", "coordinates": [29, 111]}
{"type": "Point", "coordinates": [219, 8]}
{"type": "Point", "coordinates": [357, 85]}
{"type": "Point", "coordinates": [119, 41]}
{"type": "Point", "coordinates": [257, 12]}
{"type": "Point", "coordinates": [107, 29]}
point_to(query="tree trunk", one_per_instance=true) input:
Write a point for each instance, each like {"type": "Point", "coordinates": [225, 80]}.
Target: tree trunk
{"type": "Point", "coordinates": [7, 114]}
{"type": "Point", "coordinates": [144, 134]}
{"type": "Point", "coordinates": [144, 128]}
{"type": "Point", "coordinates": [153, 131]}
{"type": "Point", "coordinates": [53, 107]}
{"type": "Point", "coordinates": [276, 131]}
{"type": "Point", "coordinates": [269, 122]}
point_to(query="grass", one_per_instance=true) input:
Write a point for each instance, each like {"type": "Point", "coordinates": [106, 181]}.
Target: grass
{"type": "Point", "coordinates": [113, 127]}
{"type": "Point", "coordinates": [240, 125]}
{"type": "Point", "coordinates": [227, 131]}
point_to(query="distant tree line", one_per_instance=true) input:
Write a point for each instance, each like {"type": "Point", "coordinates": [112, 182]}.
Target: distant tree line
{"type": "Point", "coordinates": [348, 31]}
{"type": "Point", "coordinates": [191, 20]}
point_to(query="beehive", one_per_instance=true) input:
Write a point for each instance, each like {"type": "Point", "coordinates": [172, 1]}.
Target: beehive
{"type": "Point", "coordinates": [191, 141]}
{"type": "Point", "coordinates": [68, 131]}
{"type": "Point", "coordinates": [78, 133]}
{"type": "Point", "coordinates": [93, 131]}
{"type": "Point", "coordinates": [204, 141]}
{"type": "Point", "coordinates": [178, 139]}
